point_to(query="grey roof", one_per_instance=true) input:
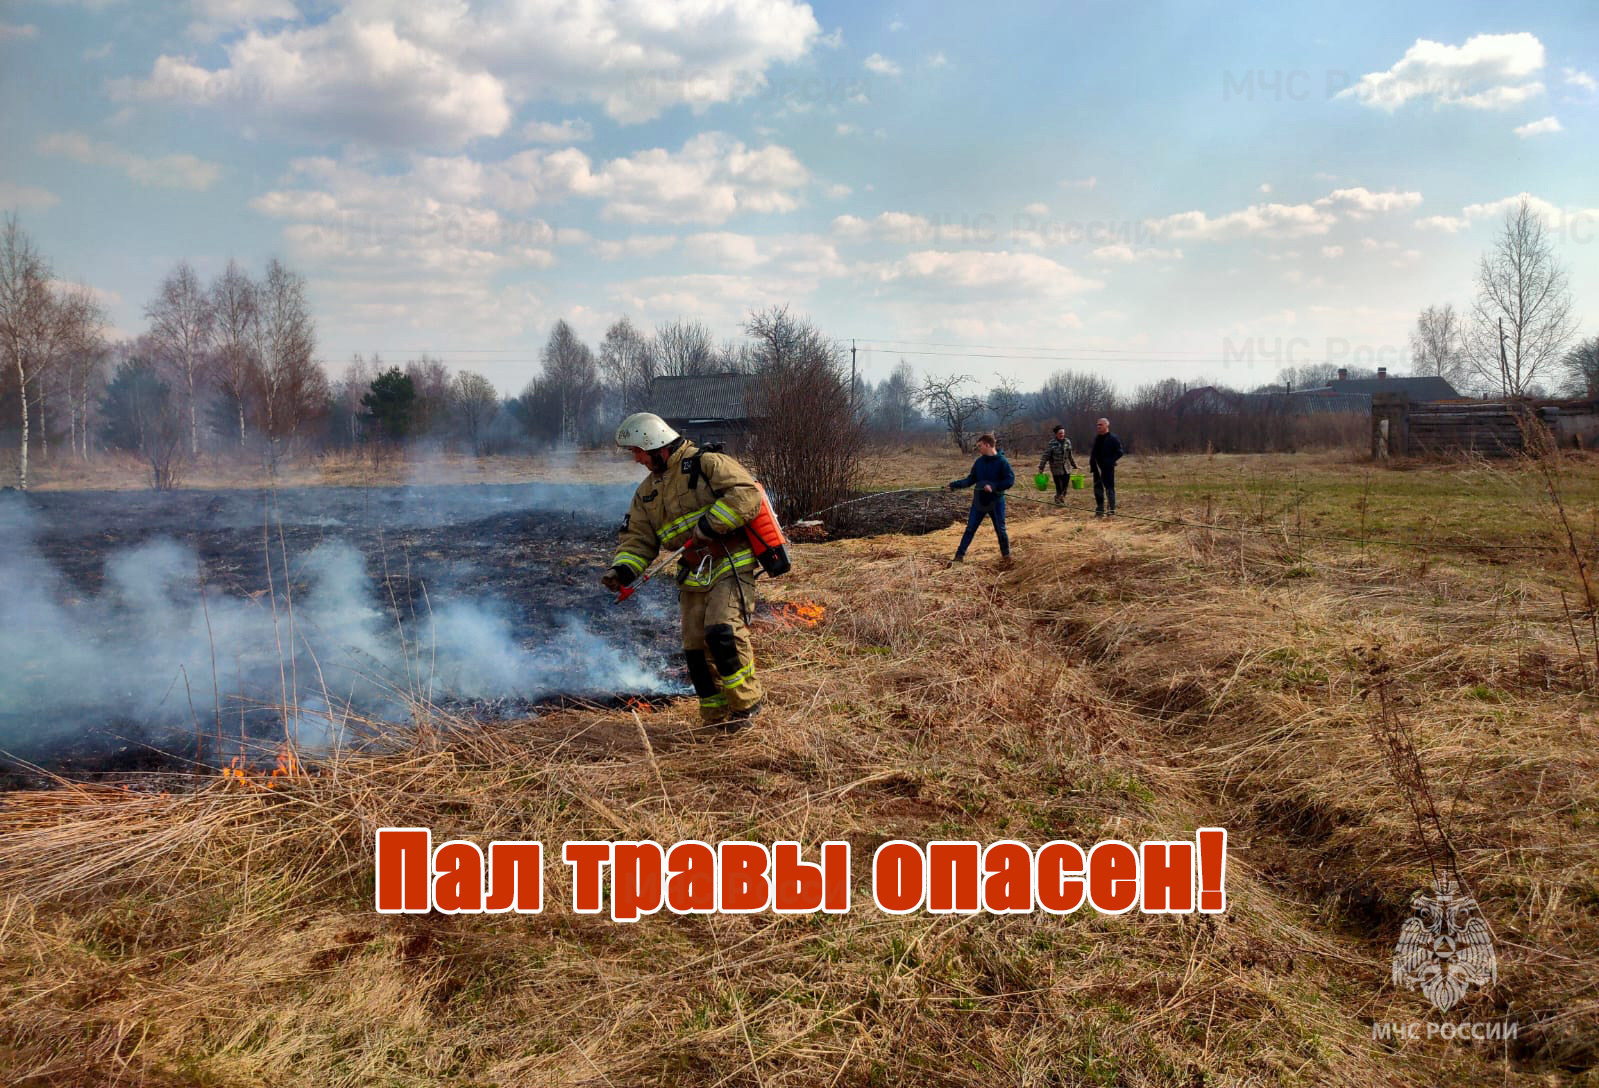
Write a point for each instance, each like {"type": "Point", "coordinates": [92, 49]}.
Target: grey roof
{"type": "Point", "coordinates": [1208, 400]}
{"type": "Point", "coordinates": [1310, 401]}
{"type": "Point", "coordinates": [1420, 388]}
{"type": "Point", "coordinates": [705, 396]}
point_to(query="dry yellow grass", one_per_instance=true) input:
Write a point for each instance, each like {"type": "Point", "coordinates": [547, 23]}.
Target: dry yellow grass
{"type": "Point", "coordinates": [1122, 680]}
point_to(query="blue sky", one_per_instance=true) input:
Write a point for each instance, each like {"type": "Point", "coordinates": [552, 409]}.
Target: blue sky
{"type": "Point", "coordinates": [1142, 190]}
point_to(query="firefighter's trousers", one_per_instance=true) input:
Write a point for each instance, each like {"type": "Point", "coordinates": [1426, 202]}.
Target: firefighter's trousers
{"type": "Point", "coordinates": [716, 644]}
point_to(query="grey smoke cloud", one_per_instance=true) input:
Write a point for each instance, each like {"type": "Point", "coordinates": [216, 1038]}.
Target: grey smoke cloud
{"type": "Point", "coordinates": [121, 655]}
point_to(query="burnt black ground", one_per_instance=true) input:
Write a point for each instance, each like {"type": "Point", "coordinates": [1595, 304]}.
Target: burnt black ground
{"type": "Point", "coordinates": [536, 549]}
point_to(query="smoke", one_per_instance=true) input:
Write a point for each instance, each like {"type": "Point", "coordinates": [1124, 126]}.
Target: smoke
{"type": "Point", "coordinates": [157, 648]}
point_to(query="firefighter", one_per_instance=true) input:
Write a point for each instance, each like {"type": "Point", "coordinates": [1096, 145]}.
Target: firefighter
{"type": "Point", "coordinates": [701, 501]}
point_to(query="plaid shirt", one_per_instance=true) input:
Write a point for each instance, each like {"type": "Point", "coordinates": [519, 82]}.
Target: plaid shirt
{"type": "Point", "coordinates": [1058, 456]}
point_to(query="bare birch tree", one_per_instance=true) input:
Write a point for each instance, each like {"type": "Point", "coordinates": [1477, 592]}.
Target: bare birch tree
{"type": "Point", "coordinates": [1521, 320]}
{"type": "Point", "coordinates": [181, 328]}
{"type": "Point", "coordinates": [572, 376]}
{"type": "Point", "coordinates": [474, 402]}
{"type": "Point", "coordinates": [235, 306]}
{"type": "Point", "coordinates": [1437, 345]}
{"type": "Point", "coordinates": [87, 354]}
{"type": "Point", "coordinates": [627, 362]}
{"type": "Point", "coordinates": [683, 349]}
{"type": "Point", "coordinates": [26, 310]}
{"type": "Point", "coordinates": [292, 385]}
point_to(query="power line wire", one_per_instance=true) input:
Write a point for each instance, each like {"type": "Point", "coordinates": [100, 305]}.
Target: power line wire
{"type": "Point", "coordinates": [1021, 347]}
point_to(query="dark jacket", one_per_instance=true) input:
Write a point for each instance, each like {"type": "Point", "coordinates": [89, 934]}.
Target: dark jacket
{"type": "Point", "coordinates": [1106, 452]}
{"type": "Point", "coordinates": [993, 470]}
{"type": "Point", "coordinates": [1058, 456]}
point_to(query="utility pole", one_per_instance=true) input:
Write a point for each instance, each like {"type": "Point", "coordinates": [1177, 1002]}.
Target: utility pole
{"type": "Point", "coordinates": [1504, 364]}
{"type": "Point", "coordinates": [852, 375]}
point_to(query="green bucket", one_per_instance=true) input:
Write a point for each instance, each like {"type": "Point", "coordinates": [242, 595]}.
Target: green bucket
{"type": "Point", "coordinates": [1077, 482]}
{"type": "Point", "coordinates": [1041, 481]}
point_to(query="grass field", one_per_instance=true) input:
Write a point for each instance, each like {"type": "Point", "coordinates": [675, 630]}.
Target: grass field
{"type": "Point", "coordinates": [1131, 679]}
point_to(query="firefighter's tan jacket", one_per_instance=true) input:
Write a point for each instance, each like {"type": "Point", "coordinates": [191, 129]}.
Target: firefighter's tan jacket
{"type": "Point", "coordinates": [666, 508]}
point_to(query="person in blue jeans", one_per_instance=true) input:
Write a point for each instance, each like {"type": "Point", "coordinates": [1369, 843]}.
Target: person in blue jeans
{"type": "Point", "coordinates": [991, 476]}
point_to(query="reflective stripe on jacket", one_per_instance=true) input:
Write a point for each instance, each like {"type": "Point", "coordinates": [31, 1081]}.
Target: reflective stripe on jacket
{"type": "Point", "coordinates": [665, 509]}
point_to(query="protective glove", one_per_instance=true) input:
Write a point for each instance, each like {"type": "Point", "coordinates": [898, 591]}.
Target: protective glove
{"type": "Point", "coordinates": [611, 580]}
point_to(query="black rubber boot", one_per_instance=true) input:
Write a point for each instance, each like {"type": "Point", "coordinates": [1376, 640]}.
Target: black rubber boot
{"type": "Point", "coordinates": [739, 719]}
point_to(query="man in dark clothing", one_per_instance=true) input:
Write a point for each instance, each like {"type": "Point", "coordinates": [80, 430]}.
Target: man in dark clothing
{"type": "Point", "coordinates": [1058, 456]}
{"type": "Point", "coordinates": [1102, 463]}
{"type": "Point", "coordinates": [991, 476]}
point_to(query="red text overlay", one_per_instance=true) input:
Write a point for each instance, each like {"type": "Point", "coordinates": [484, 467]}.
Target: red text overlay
{"type": "Point", "coordinates": [629, 880]}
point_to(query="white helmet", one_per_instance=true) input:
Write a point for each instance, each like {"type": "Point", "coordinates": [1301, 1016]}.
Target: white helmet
{"type": "Point", "coordinates": [646, 430]}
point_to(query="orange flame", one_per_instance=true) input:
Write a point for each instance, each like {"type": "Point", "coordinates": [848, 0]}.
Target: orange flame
{"type": "Point", "coordinates": [287, 767]}
{"type": "Point", "coordinates": [800, 613]}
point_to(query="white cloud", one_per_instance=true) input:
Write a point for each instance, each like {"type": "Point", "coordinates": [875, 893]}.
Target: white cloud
{"type": "Point", "coordinates": [443, 218]}
{"type": "Point", "coordinates": [1256, 221]}
{"type": "Point", "coordinates": [1265, 187]}
{"type": "Point", "coordinates": [804, 257]}
{"type": "Point", "coordinates": [179, 171]}
{"type": "Point", "coordinates": [17, 32]}
{"type": "Point", "coordinates": [711, 179]}
{"type": "Point", "coordinates": [844, 128]}
{"type": "Point", "coordinates": [101, 295]}
{"type": "Point", "coordinates": [838, 191]}
{"type": "Point", "coordinates": [1556, 217]}
{"type": "Point", "coordinates": [1577, 78]}
{"type": "Point", "coordinates": [904, 228]}
{"type": "Point", "coordinates": [881, 65]}
{"type": "Point", "coordinates": [1079, 183]}
{"type": "Point", "coordinates": [1282, 220]}
{"type": "Point", "coordinates": [1004, 275]}
{"type": "Point", "coordinates": [469, 313]}
{"type": "Point", "coordinates": [896, 24]}
{"type": "Point", "coordinates": [1539, 128]}
{"type": "Point", "coordinates": [215, 17]}
{"type": "Point", "coordinates": [1037, 207]}
{"type": "Point", "coordinates": [1448, 223]}
{"type": "Point", "coordinates": [1503, 98]}
{"type": "Point", "coordinates": [25, 196]}
{"type": "Point", "coordinates": [1371, 244]}
{"type": "Point", "coordinates": [642, 245]}
{"type": "Point", "coordinates": [937, 60]}
{"type": "Point", "coordinates": [1490, 71]}
{"type": "Point", "coordinates": [344, 79]}
{"type": "Point", "coordinates": [1125, 254]}
{"type": "Point", "coordinates": [1332, 252]}
{"type": "Point", "coordinates": [464, 219]}
{"type": "Point", "coordinates": [1359, 203]}
{"type": "Point", "coordinates": [781, 267]}
{"type": "Point", "coordinates": [393, 73]}
{"type": "Point", "coordinates": [574, 131]}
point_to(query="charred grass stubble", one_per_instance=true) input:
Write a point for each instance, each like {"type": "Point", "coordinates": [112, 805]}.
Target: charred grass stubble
{"type": "Point", "coordinates": [1120, 681]}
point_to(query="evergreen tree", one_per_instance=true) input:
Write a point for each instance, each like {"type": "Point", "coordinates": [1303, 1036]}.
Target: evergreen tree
{"type": "Point", "coordinates": [391, 404]}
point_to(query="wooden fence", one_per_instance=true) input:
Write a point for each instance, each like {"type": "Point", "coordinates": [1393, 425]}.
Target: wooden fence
{"type": "Point", "coordinates": [1401, 428]}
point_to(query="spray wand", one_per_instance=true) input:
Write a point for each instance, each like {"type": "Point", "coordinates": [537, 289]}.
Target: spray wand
{"type": "Point", "coordinates": [655, 568]}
